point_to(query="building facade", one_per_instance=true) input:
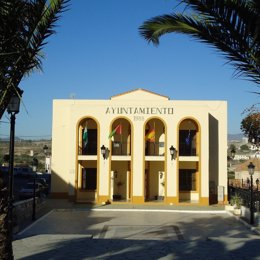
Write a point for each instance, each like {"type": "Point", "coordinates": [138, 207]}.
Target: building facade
{"type": "Point", "coordinates": [140, 147]}
{"type": "Point", "coordinates": [242, 174]}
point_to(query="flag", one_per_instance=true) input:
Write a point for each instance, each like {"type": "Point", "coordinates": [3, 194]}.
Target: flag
{"type": "Point", "coordinates": [85, 136]}
{"type": "Point", "coordinates": [117, 130]}
{"type": "Point", "coordinates": [188, 139]}
{"type": "Point", "coordinates": [150, 136]}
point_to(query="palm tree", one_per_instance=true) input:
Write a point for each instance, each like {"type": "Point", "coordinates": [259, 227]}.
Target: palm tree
{"type": "Point", "coordinates": [25, 26]}
{"type": "Point", "coordinates": [231, 26]}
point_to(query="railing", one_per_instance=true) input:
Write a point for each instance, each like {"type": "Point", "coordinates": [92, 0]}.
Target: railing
{"type": "Point", "coordinates": [121, 148]}
{"type": "Point", "coordinates": [89, 149]}
{"type": "Point", "coordinates": [242, 183]}
{"type": "Point", "coordinates": [187, 150]}
{"type": "Point", "coordinates": [245, 195]}
{"type": "Point", "coordinates": [154, 149]}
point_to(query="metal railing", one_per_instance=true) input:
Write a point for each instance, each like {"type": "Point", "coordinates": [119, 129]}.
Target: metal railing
{"type": "Point", "coordinates": [89, 149]}
{"type": "Point", "coordinates": [154, 149]}
{"type": "Point", "coordinates": [187, 150]}
{"type": "Point", "coordinates": [244, 194]}
{"type": "Point", "coordinates": [121, 148]}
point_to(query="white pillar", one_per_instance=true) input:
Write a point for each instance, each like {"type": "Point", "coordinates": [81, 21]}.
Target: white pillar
{"type": "Point", "coordinates": [112, 183]}
{"type": "Point", "coordinates": [127, 184]}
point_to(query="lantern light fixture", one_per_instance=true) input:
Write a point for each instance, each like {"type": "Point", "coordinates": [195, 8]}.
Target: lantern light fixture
{"type": "Point", "coordinates": [251, 168]}
{"type": "Point", "coordinates": [173, 153]}
{"type": "Point", "coordinates": [103, 151]}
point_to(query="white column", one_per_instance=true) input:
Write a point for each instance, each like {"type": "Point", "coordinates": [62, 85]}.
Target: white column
{"type": "Point", "coordinates": [112, 183]}
{"type": "Point", "coordinates": [127, 184]}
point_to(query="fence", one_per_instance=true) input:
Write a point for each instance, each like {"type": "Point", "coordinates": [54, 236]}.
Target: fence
{"type": "Point", "coordinates": [242, 183]}
{"type": "Point", "coordinates": [245, 195]}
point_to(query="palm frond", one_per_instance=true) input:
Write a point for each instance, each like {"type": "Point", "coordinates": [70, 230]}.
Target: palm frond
{"type": "Point", "coordinates": [25, 27]}
{"type": "Point", "coordinates": [229, 26]}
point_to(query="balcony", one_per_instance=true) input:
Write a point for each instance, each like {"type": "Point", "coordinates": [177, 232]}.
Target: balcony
{"type": "Point", "coordinates": [121, 148]}
{"type": "Point", "coordinates": [187, 150]}
{"type": "Point", "coordinates": [89, 149]}
{"type": "Point", "coordinates": [154, 149]}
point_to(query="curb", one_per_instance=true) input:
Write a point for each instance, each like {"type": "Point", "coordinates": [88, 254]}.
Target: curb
{"type": "Point", "coordinates": [34, 223]}
{"type": "Point", "coordinates": [254, 229]}
{"type": "Point", "coordinates": [164, 210]}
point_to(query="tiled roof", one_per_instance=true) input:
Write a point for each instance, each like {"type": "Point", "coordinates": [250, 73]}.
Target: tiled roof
{"type": "Point", "coordinates": [142, 89]}
{"type": "Point", "coordinates": [243, 166]}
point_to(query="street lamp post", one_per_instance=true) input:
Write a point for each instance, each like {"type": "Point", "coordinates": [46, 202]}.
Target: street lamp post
{"type": "Point", "coordinates": [12, 109]}
{"type": "Point", "coordinates": [251, 168]}
{"type": "Point", "coordinates": [45, 150]}
{"type": "Point", "coordinates": [35, 165]}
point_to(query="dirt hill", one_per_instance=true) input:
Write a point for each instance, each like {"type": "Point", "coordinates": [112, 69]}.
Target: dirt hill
{"type": "Point", "coordinates": [25, 151]}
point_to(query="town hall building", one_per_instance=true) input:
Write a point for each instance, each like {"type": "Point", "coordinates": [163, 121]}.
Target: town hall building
{"type": "Point", "coordinates": [140, 147]}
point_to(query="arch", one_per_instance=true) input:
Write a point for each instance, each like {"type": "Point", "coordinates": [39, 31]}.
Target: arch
{"type": "Point", "coordinates": [188, 177]}
{"type": "Point", "coordinates": [87, 170]}
{"type": "Point", "coordinates": [188, 132]}
{"type": "Point", "coordinates": [154, 132]}
{"type": "Point", "coordinates": [90, 126]}
{"type": "Point", "coordinates": [120, 184]}
{"type": "Point", "coordinates": [120, 136]}
{"type": "Point", "coordinates": [154, 173]}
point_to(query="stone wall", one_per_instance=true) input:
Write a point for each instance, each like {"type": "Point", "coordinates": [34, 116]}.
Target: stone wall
{"type": "Point", "coordinates": [23, 211]}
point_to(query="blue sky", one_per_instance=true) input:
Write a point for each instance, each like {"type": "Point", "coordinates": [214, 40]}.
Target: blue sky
{"type": "Point", "coordinates": [97, 52]}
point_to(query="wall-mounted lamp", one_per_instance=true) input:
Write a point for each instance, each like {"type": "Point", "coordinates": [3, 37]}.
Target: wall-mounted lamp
{"type": "Point", "coordinates": [103, 151]}
{"type": "Point", "coordinates": [173, 152]}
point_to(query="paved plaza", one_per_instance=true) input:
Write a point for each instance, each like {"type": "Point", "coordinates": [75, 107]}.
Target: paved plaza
{"type": "Point", "coordinates": [136, 233]}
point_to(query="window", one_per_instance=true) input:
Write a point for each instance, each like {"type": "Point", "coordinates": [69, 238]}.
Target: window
{"type": "Point", "coordinates": [89, 179]}
{"type": "Point", "coordinates": [187, 180]}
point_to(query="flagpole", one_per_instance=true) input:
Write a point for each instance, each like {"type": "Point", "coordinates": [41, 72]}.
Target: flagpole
{"type": "Point", "coordinates": [154, 137]}
{"type": "Point", "coordinates": [121, 134]}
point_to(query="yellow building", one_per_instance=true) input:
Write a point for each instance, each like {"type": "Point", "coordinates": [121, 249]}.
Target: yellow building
{"type": "Point", "coordinates": [140, 147]}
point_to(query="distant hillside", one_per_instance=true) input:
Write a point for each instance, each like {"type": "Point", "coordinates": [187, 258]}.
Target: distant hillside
{"type": "Point", "coordinates": [236, 137]}
{"type": "Point", "coordinates": [25, 145]}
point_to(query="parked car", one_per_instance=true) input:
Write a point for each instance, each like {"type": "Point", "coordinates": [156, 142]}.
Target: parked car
{"type": "Point", "coordinates": [27, 191]}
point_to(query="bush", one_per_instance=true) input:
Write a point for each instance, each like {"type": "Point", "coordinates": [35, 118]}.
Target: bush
{"type": "Point", "coordinates": [236, 201]}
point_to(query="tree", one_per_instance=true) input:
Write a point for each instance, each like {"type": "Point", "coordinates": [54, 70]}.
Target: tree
{"type": "Point", "coordinates": [6, 158]}
{"type": "Point", "coordinates": [244, 148]}
{"type": "Point", "coordinates": [25, 26]}
{"type": "Point", "coordinates": [230, 26]}
{"type": "Point", "coordinates": [232, 147]}
{"type": "Point", "coordinates": [250, 126]}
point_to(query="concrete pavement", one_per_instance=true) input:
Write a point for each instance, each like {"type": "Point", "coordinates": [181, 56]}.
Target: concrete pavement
{"type": "Point", "coordinates": [69, 231]}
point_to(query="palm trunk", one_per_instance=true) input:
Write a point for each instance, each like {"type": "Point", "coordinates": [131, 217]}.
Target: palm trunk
{"type": "Point", "coordinates": [6, 249]}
